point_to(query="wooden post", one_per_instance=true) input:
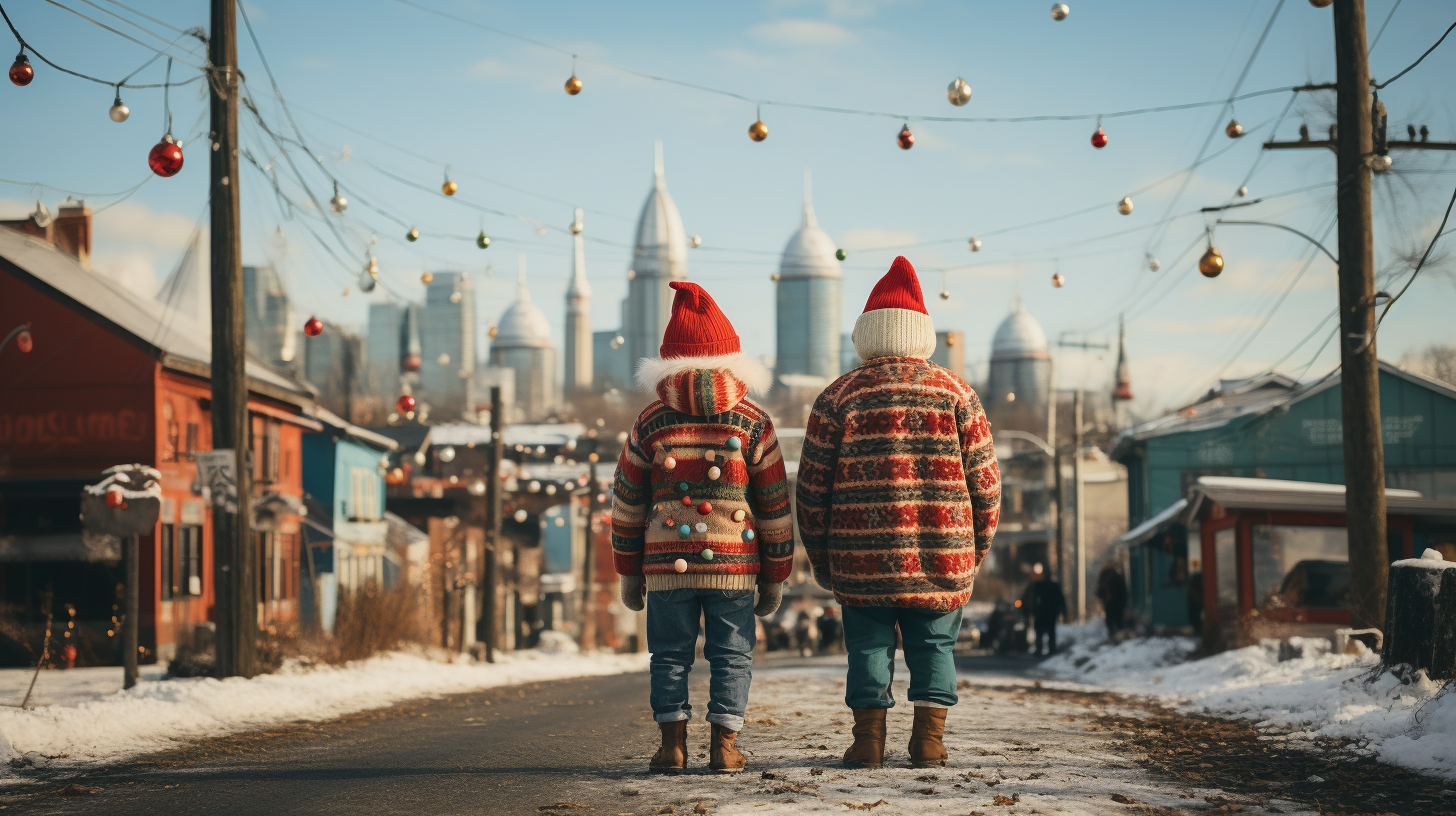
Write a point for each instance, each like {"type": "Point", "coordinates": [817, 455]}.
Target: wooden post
{"type": "Point", "coordinates": [130, 609]}
{"type": "Point", "coordinates": [1421, 616]}
{"type": "Point", "coordinates": [490, 577]}
{"type": "Point", "coordinates": [588, 566]}
{"type": "Point", "coordinates": [1081, 542]}
{"type": "Point", "coordinates": [235, 570]}
{"type": "Point", "coordinates": [1360, 372]}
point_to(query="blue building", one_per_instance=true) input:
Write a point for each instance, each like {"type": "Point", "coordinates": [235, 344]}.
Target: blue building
{"type": "Point", "coordinates": [346, 532]}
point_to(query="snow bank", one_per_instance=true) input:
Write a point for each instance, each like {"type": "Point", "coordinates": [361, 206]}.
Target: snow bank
{"type": "Point", "coordinates": [92, 727]}
{"type": "Point", "coordinates": [1321, 695]}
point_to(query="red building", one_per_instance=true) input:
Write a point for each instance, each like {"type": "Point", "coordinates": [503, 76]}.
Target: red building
{"type": "Point", "coordinates": [115, 378]}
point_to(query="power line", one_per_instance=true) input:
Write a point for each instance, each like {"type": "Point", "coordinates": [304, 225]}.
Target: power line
{"type": "Point", "coordinates": [121, 34]}
{"type": "Point", "coordinates": [27, 46]}
{"type": "Point", "coordinates": [1422, 263]}
{"type": "Point", "coordinates": [1407, 69]}
{"type": "Point", "coordinates": [1381, 32]}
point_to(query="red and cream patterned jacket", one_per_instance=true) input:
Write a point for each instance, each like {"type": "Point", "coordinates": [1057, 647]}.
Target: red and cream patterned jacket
{"type": "Point", "coordinates": [898, 488]}
{"type": "Point", "coordinates": [701, 498]}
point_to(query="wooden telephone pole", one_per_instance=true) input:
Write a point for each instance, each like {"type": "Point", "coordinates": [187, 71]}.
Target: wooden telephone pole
{"type": "Point", "coordinates": [234, 573]}
{"type": "Point", "coordinates": [490, 578]}
{"type": "Point", "coordinates": [1359, 143]}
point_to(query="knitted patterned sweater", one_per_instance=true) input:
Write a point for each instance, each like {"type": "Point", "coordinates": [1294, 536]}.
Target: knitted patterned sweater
{"type": "Point", "coordinates": [701, 483]}
{"type": "Point", "coordinates": [899, 492]}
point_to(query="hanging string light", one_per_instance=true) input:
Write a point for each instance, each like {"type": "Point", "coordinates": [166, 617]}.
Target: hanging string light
{"type": "Point", "coordinates": [944, 292]}
{"type": "Point", "coordinates": [21, 72]}
{"type": "Point", "coordinates": [1233, 129]}
{"type": "Point", "coordinates": [1153, 265]}
{"type": "Point", "coordinates": [1058, 281]}
{"type": "Point", "coordinates": [840, 254]}
{"type": "Point", "coordinates": [1211, 264]}
{"type": "Point", "coordinates": [165, 158]}
{"type": "Point", "coordinates": [959, 92]}
{"type": "Point", "coordinates": [758, 131]}
{"type": "Point", "coordinates": [1060, 11]}
{"type": "Point", "coordinates": [573, 85]}
{"type": "Point", "coordinates": [974, 244]}
{"type": "Point", "coordinates": [1243, 190]}
{"type": "Point", "coordinates": [906, 138]}
{"type": "Point", "coordinates": [369, 278]}
{"type": "Point", "coordinates": [1125, 205]}
{"type": "Point", "coordinates": [482, 240]}
{"type": "Point", "coordinates": [313, 327]}
{"type": "Point", "coordinates": [119, 112]}
{"type": "Point", "coordinates": [338, 203]}
{"type": "Point", "coordinates": [1099, 136]}
{"type": "Point", "coordinates": [413, 235]}
{"type": "Point", "coordinates": [449, 187]}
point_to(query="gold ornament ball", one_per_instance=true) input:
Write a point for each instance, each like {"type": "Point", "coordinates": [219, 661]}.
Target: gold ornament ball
{"type": "Point", "coordinates": [412, 236]}
{"type": "Point", "coordinates": [427, 277]}
{"type": "Point", "coordinates": [1233, 129]}
{"type": "Point", "coordinates": [1321, 3]}
{"type": "Point", "coordinates": [1061, 10]}
{"type": "Point", "coordinates": [1211, 264]}
{"type": "Point", "coordinates": [573, 85]}
{"type": "Point", "coordinates": [959, 92]}
{"type": "Point", "coordinates": [491, 332]}
{"type": "Point", "coordinates": [449, 187]}
{"type": "Point", "coordinates": [758, 131]}
{"type": "Point", "coordinates": [1125, 206]}
{"type": "Point", "coordinates": [1058, 281]}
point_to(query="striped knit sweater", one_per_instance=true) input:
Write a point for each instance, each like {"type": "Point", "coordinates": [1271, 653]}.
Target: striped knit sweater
{"type": "Point", "coordinates": [701, 480]}
{"type": "Point", "coordinates": [899, 492]}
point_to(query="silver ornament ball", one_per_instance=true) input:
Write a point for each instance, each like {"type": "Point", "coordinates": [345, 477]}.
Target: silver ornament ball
{"type": "Point", "coordinates": [959, 92]}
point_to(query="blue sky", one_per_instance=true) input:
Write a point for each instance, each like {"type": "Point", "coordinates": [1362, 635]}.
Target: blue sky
{"type": "Point", "coordinates": [493, 109]}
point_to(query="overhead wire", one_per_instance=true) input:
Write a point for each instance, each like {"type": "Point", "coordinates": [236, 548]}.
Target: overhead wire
{"type": "Point", "coordinates": [121, 34]}
{"type": "Point", "coordinates": [1407, 69]}
{"type": "Point", "coordinates": [26, 45]}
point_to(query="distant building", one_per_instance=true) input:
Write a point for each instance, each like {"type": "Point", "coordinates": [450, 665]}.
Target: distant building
{"type": "Point", "coordinates": [659, 256]}
{"type": "Point", "coordinates": [1018, 387]}
{"type": "Point", "coordinates": [447, 332]}
{"type": "Point", "coordinates": [848, 357]}
{"type": "Point", "coordinates": [612, 367]}
{"type": "Point", "coordinates": [950, 352]}
{"type": "Point", "coordinates": [269, 321]}
{"type": "Point", "coordinates": [808, 295]}
{"type": "Point", "coordinates": [577, 351]}
{"type": "Point", "coordinates": [333, 363]}
{"type": "Point", "coordinates": [523, 344]}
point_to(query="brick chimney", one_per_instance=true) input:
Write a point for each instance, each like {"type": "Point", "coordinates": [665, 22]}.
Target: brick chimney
{"type": "Point", "coordinates": [72, 233]}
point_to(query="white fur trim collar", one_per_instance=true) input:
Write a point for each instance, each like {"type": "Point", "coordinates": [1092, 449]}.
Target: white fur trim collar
{"type": "Point", "coordinates": [754, 374]}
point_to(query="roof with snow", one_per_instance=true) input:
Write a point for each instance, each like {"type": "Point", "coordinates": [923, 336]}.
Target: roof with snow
{"type": "Point", "coordinates": [176, 339]}
{"type": "Point", "coordinates": [1278, 494]}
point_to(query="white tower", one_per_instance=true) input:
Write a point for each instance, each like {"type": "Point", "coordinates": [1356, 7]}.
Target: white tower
{"type": "Point", "coordinates": [659, 256]}
{"type": "Point", "coordinates": [523, 344]}
{"type": "Point", "coordinates": [578, 348]}
{"type": "Point", "coordinates": [808, 300]}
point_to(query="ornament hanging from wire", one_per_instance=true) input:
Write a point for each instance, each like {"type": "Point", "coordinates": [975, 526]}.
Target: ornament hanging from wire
{"type": "Point", "coordinates": [974, 244]}
{"type": "Point", "coordinates": [1211, 264]}
{"type": "Point", "coordinates": [338, 203]}
{"type": "Point", "coordinates": [369, 278]}
{"type": "Point", "coordinates": [21, 72]}
{"type": "Point", "coordinates": [944, 292]}
{"type": "Point", "coordinates": [573, 85]}
{"type": "Point", "coordinates": [313, 327]}
{"type": "Point", "coordinates": [1243, 190]}
{"type": "Point", "coordinates": [405, 404]}
{"type": "Point", "coordinates": [906, 138]}
{"type": "Point", "coordinates": [1233, 129]}
{"type": "Point", "coordinates": [695, 241]}
{"type": "Point", "coordinates": [1099, 137]}
{"type": "Point", "coordinates": [840, 254]}
{"type": "Point", "coordinates": [119, 111]}
{"type": "Point", "coordinates": [959, 92]}
{"type": "Point", "coordinates": [1060, 11]}
{"type": "Point", "coordinates": [758, 131]}
{"type": "Point", "coordinates": [1321, 3]}
{"type": "Point", "coordinates": [412, 236]}
{"type": "Point", "coordinates": [1125, 205]}
{"type": "Point", "coordinates": [482, 240]}
{"type": "Point", "coordinates": [1153, 265]}
{"type": "Point", "coordinates": [1058, 281]}
{"type": "Point", "coordinates": [427, 278]}
{"type": "Point", "coordinates": [165, 157]}
{"type": "Point", "coordinates": [449, 187]}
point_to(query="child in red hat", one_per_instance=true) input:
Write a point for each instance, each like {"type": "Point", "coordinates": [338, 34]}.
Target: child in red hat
{"type": "Point", "coordinates": [898, 498]}
{"type": "Point", "coordinates": [700, 519]}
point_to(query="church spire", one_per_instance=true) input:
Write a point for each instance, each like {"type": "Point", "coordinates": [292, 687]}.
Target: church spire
{"type": "Point", "coordinates": [809, 219]}
{"type": "Point", "coordinates": [1122, 392]}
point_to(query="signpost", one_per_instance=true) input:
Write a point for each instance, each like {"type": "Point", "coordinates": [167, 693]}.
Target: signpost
{"type": "Point", "coordinates": [125, 504]}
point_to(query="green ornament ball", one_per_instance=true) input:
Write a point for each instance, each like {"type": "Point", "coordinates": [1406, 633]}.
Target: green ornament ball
{"type": "Point", "coordinates": [840, 254]}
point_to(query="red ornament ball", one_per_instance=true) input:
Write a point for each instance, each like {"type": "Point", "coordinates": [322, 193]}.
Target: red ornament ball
{"type": "Point", "coordinates": [24, 342]}
{"type": "Point", "coordinates": [313, 327]}
{"type": "Point", "coordinates": [1099, 138]}
{"type": "Point", "coordinates": [114, 498]}
{"type": "Point", "coordinates": [165, 158]}
{"type": "Point", "coordinates": [906, 138]}
{"type": "Point", "coordinates": [405, 404]}
{"type": "Point", "coordinates": [687, 501]}
{"type": "Point", "coordinates": [20, 71]}
{"type": "Point", "coordinates": [705, 508]}
{"type": "Point", "coordinates": [412, 362]}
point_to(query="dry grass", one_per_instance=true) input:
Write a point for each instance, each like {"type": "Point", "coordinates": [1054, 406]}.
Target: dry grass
{"type": "Point", "coordinates": [375, 620]}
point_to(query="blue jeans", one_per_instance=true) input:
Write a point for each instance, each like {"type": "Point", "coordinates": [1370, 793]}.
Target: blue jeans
{"type": "Point", "coordinates": [672, 637]}
{"type": "Point", "coordinates": [928, 639]}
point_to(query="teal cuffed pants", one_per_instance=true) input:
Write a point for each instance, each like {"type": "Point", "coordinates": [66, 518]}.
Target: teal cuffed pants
{"type": "Point", "coordinates": [928, 639]}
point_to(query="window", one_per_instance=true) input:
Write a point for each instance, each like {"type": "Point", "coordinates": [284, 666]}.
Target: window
{"type": "Point", "coordinates": [189, 559]}
{"type": "Point", "coordinates": [363, 499]}
{"type": "Point", "coordinates": [1301, 566]}
{"type": "Point", "coordinates": [191, 445]}
{"type": "Point", "coordinates": [1227, 564]}
{"type": "Point", "coordinates": [264, 544]}
{"type": "Point", "coordinates": [167, 555]}
{"type": "Point", "coordinates": [169, 437]}
{"type": "Point", "coordinates": [273, 448]}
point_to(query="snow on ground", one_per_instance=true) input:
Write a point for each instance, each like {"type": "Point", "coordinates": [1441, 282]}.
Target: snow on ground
{"type": "Point", "coordinates": [1320, 695]}
{"type": "Point", "coordinates": [83, 716]}
{"type": "Point", "coordinates": [1008, 743]}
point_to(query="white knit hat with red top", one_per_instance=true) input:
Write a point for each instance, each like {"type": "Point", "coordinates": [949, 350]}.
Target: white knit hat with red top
{"type": "Point", "coordinates": [895, 322]}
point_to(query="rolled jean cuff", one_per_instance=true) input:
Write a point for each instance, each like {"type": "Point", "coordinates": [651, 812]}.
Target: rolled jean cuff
{"type": "Point", "coordinates": [931, 704]}
{"type": "Point", "coordinates": [732, 722]}
{"type": "Point", "coordinates": [673, 716]}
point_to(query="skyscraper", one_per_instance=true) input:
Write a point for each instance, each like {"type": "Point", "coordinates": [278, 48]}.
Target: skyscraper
{"type": "Point", "coordinates": [523, 344]}
{"type": "Point", "coordinates": [578, 348]}
{"type": "Point", "coordinates": [808, 300]}
{"type": "Point", "coordinates": [269, 321]}
{"type": "Point", "coordinates": [660, 255]}
{"type": "Point", "coordinates": [447, 345]}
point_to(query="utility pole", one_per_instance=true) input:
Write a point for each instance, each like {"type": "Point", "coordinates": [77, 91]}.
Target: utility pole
{"type": "Point", "coordinates": [1081, 543]}
{"type": "Point", "coordinates": [234, 574]}
{"type": "Point", "coordinates": [588, 578]}
{"type": "Point", "coordinates": [130, 610]}
{"type": "Point", "coordinates": [490, 577]}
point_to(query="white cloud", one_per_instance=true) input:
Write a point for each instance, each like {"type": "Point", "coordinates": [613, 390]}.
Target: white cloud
{"type": "Point", "coordinates": [803, 33]}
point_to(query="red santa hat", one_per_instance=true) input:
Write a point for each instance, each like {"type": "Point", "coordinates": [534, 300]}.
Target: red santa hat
{"type": "Point", "coordinates": [895, 322]}
{"type": "Point", "coordinates": [699, 336]}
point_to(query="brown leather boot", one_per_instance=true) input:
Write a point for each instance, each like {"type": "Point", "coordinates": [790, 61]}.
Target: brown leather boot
{"type": "Point", "coordinates": [927, 748]}
{"type": "Point", "coordinates": [723, 755]}
{"type": "Point", "coordinates": [868, 750]}
{"type": "Point", "coordinates": [672, 756]}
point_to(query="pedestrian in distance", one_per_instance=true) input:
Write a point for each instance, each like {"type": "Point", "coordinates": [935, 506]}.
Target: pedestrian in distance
{"type": "Point", "coordinates": [1112, 592]}
{"type": "Point", "coordinates": [700, 519]}
{"type": "Point", "coordinates": [1045, 604]}
{"type": "Point", "coordinates": [898, 499]}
